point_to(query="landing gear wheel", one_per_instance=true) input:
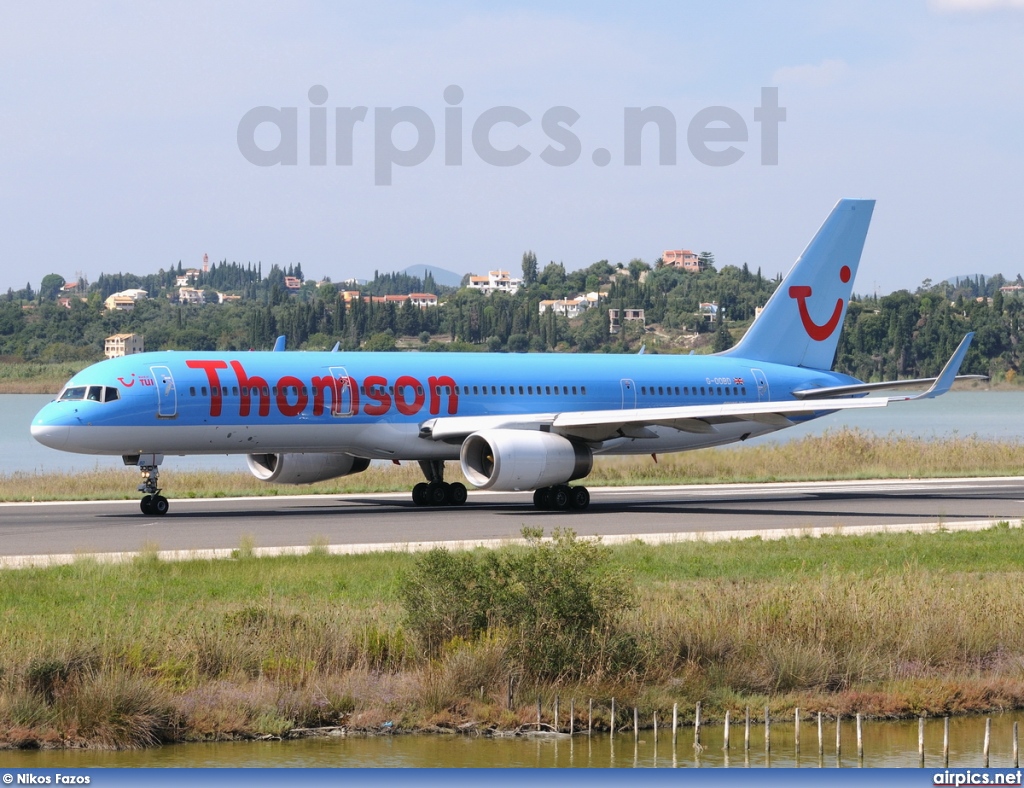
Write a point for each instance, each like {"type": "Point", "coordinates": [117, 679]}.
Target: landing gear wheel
{"type": "Point", "coordinates": [579, 497]}
{"type": "Point", "coordinates": [560, 497]}
{"type": "Point", "coordinates": [146, 504]}
{"type": "Point", "coordinates": [437, 493]}
{"type": "Point", "coordinates": [419, 494]}
{"type": "Point", "coordinates": [159, 505]}
{"type": "Point", "coordinates": [542, 497]}
{"type": "Point", "coordinates": [457, 493]}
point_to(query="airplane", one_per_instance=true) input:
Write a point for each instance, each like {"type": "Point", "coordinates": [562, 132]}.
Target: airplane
{"type": "Point", "coordinates": [513, 421]}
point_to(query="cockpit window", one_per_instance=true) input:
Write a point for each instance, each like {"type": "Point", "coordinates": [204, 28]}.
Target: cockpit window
{"type": "Point", "coordinates": [92, 393]}
{"type": "Point", "coordinates": [74, 392]}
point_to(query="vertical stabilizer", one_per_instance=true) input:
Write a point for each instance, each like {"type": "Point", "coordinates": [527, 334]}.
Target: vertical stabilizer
{"type": "Point", "coordinates": [800, 324]}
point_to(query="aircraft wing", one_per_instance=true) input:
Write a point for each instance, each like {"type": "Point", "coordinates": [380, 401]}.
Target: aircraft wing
{"type": "Point", "coordinates": [601, 425]}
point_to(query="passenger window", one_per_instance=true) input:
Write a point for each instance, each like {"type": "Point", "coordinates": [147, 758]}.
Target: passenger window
{"type": "Point", "coordinates": [494, 390]}
{"type": "Point", "coordinates": [702, 391]}
{"type": "Point", "coordinates": [661, 390]}
{"type": "Point", "coordinates": [520, 391]}
{"type": "Point", "coordinates": [475, 390]}
{"type": "Point", "coordinates": [574, 391]}
{"type": "Point", "coordinates": [529, 389]}
{"type": "Point", "coordinates": [191, 391]}
{"type": "Point", "coordinates": [583, 389]}
{"type": "Point", "coordinates": [203, 391]}
{"type": "Point", "coordinates": [234, 391]}
{"type": "Point", "coordinates": [265, 392]}
{"type": "Point", "coordinates": [245, 391]}
{"type": "Point", "coordinates": [744, 390]}
{"type": "Point", "coordinates": [502, 389]}
{"type": "Point", "coordinates": [643, 389]}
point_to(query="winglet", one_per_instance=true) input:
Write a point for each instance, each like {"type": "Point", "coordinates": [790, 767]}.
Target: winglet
{"type": "Point", "coordinates": [279, 344]}
{"type": "Point", "coordinates": [945, 379]}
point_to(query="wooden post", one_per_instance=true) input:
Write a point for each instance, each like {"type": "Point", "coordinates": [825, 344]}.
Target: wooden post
{"type": "Point", "coordinates": [613, 719]}
{"type": "Point", "coordinates": [767, 731]}
{"type": "Point", "coordinates": [725, 745]}
{"type": "Point", "coordinates": [538, 712]}
{"type": "Point", "coordinates": [1016, 751]}
{"type": "Point", "coordinates": [675, 722]}
{"type": "Point", "coordinates": [860, 740]}
{"type": "Point", "coordinates": [655, 733]}
{"type": "Point", "coordinates": [920, 740]}
{"type": "Point", "coordinates": [746, 733]}
{"type": "Point", "coordinates": [696, 725]}
{"type": "Point", "coordinates": [556, 714]}
{"type": "Point", "coordinates": [796, 729]}
{"type": "Point", "coordinates": [945, 743]}
{"type": "Point", "coordinates": [821, 741]}
{"type": "Point", "coordinates": [572, 715]}
{"type": "Point", "coordinates": [839, 728]}
{"type": "Point", "coordinates": [590, 717]}
{"type": "Point", "coordinates": [636, 724]}
{"type": "Point", "coordinates": [988, 737]}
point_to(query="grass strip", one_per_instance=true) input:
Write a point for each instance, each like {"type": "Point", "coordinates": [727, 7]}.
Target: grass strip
{"type": "Point", "coordinates": [135, 654]}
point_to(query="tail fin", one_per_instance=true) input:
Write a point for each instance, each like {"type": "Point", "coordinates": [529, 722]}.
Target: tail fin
{"type": "Point", "coordinates": [800, 324]}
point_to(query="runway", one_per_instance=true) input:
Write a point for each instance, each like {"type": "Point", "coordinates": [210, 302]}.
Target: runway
{"type": "Point", "coordinates": [63, 530]}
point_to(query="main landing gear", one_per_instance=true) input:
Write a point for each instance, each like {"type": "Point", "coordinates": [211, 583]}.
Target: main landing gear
{"type": "Point", "coordinates": [435, 491]}
{"type": "Point", "coordinates": [561, 497]}
{"type": "Point", "coordinates": [152, 503]}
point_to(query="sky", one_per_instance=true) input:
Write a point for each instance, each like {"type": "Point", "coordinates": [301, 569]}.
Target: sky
{"type": "Point", "coordinates": [136, 135]}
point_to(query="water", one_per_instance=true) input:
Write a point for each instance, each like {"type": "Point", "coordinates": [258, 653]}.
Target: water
{"type": "Point", "coordinates": [886, 744]}
{"type": "Point", "coordinates": [987, 414]}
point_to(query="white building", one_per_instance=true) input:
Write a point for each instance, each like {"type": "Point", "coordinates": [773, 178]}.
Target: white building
{"type": "Point", "coordinates": [570, 307]}
{"type": "Point", "coordinates": [496, 281]}
{"type": "Point", "coordinates": [125, 300]}
{"type": "Point", "coordinates": [189, 295]}
{"type": "Point", "coordinates": [123, 345]}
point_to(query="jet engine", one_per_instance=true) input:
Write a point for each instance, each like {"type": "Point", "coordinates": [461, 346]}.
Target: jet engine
{"type": "Point", "coordinates": [522, 460]}
{"type": "Point", "coordinates": [304, 468]}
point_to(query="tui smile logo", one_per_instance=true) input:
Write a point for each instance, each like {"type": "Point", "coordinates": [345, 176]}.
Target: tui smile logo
{"type": "Point", "coordinates": [819, 333]}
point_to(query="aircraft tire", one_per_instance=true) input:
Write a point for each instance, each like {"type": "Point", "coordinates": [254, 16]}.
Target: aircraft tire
{"type": "Point", "coordinates": [560, 497]}
{"type": "Point", "coordinates": [159, 505]}
{"type": "Point", "coordinates": [419, 494]}
{"type": "Point", "coordinates": [437, 493]}
{"type": "Point", "coordinates": [457, 494]}
{"type": "Point", "coordinates": [542, 497]}
{"type": "Point", "coordinates": [579, 498]}
{"type": "Point", "coordinates": [146, 504]}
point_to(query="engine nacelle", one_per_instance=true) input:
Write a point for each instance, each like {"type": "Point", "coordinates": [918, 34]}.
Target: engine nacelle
{"type": "Point", "coordinates": [304, 468]}
{"type": "Point", "coordinates": [522, 459]}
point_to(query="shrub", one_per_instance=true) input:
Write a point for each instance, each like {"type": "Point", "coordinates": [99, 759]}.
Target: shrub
{"type": "Point", "coordinates": [556, 604]}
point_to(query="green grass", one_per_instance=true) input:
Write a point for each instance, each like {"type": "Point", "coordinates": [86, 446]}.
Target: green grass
{"type": "Point", "coordinates": [36, 378]}
{"type": "Point", "coordinates": [131, 654]}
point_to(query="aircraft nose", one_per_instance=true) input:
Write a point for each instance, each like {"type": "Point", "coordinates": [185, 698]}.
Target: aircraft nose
{"type": "Point", "coordinates": [49, 435]}
{"type": "Point", "coordinates": [50, 427]}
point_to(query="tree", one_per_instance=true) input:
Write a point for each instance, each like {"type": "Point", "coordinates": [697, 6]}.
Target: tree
{"type": "Point", "coordinates": [529, 267]}
{"type": "Point", "coordinates": [50, 287]}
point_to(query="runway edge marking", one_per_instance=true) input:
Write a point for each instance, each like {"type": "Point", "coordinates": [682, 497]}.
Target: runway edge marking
{"type": "Point", "coordinates": [209, 554]}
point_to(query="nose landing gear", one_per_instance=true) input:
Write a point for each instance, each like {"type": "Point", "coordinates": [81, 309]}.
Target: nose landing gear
{"type": "Point", "coordinates": [152, 503]}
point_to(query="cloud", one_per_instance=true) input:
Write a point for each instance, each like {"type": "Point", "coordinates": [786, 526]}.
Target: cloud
{"type": "Point", "coordinates": [819, 76]}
